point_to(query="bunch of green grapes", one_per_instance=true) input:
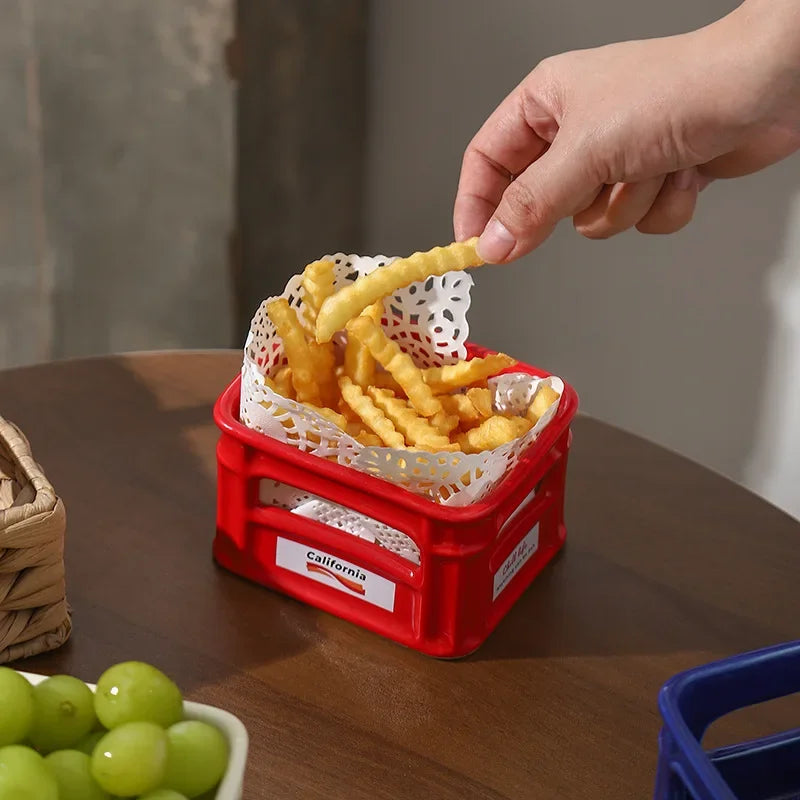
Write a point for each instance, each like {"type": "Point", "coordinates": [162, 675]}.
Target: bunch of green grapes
{"type": "Point", "coordinates": [61, 741]}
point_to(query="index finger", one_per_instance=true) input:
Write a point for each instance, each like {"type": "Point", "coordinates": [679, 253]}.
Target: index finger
{"type": "Point", "coordinates": [505, 145]}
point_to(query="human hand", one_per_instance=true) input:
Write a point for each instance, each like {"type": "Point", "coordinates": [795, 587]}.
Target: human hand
{"type": "Point", "coordinates": [627, 135]}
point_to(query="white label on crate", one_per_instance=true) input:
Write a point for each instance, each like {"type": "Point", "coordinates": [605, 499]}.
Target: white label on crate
{"type": "Point", "coordinates": [515, 561]}
{"type": "Point", "coordinates": [335, 572]}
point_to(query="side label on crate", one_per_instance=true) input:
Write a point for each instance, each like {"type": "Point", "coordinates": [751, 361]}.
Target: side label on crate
{"type": "Point", "coordinates": [516, 560]}
{"type": "Point", "coordinates": [335, 572]}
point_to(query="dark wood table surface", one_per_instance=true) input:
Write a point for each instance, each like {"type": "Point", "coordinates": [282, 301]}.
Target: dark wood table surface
{"type": "Point", "coordinates": [667, 566]}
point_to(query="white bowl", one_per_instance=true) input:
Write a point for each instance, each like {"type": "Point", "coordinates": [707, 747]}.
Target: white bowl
{"type": "Point", "coordinates": [230, 787]}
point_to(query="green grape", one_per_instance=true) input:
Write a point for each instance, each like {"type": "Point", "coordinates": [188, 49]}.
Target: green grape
{"type": "Point", "coordinates": [197, 755]}
{"type": "Point", "coordinates": [137, 692]}
{"type": "Point", "coordinates": [24, 775]}
{"type": "Point", "coordinates": [88, 743]}
{"type": "Point", "coordinates": [16, 707]}
{"type": "Point", "coordinates": [163, 794]}
{"type": "Point", "coordinates": [131, 759]}
{"type": "Point", "coordinates": [72, 772]}
{"type": "Point", "coordinates": [63, 713]}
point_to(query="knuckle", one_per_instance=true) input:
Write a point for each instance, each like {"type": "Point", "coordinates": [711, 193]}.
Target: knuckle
{"type": "Point", "coordinates": [521, 209]}
{"type": "Point", "coordinates": [546, 69]}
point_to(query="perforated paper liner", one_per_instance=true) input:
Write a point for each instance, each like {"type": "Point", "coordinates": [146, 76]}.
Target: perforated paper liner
{"type": "Point", "coordinates": [428, 321]}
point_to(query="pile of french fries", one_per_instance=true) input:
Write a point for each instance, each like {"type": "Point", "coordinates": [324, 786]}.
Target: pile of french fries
{"type": "Point", "coordinates": [372, 390]}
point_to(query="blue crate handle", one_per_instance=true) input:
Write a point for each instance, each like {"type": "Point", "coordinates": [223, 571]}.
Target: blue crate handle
{"type": "Point", "coordinates": [690, 701]}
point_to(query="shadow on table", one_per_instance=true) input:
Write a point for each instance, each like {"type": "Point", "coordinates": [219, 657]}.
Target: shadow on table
{"type": "Point", "coordinates": [585, 605]}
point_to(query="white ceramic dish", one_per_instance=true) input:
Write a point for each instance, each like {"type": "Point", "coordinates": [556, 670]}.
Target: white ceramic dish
{"type": "Point", "coordinates": [230, 788]}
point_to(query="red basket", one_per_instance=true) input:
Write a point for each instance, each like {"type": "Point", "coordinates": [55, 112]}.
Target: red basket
{"type": "Point", "coordinates": [475, 561]}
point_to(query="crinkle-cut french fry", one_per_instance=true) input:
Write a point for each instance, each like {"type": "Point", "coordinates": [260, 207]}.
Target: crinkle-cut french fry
{"type": "Point", "coordinates": [359, 365]}
{"type": "Point", "coordinates": [482, 400]}
{"type": "Point", "coordinates": [385, 380]}
{"type": "Point", "coordinates": [356, 427]}
{"type": "Point", "coordinates": [372, 416]}
{"type": "Point", "coordinates": [317, 284]}
{"type": "Point", "coordinates": [363, 435]}
{"type": "Point", "coordinates": [369, 439]}
{"type": "Point", "coordinates": [318, 277]}
{"type": "Point", "coordinates": [464, 373]}
{"type": "Point", "coordinates": [545, 397]}
{"type": "Point", "coordinates": [339, 420]}
{"type": "Point", "coordinates": [283, 382]}
{"type": "Point", "coordinates": [353, 299]}
{"type": "Point", "coordinates": [324, 358]}
{"type": "Point", "coordinates": [389, 355]}
{"type": "Point", "coordinates": [416, 429]}
{"type": "Point", "coordinates": [445, 423]}
{"type": "Point", "coordinates": [493, 432]}
{"type": "Point", "coordinates": [462, 407]}
{"type": "Point", "coordinates": [296, 348]}
{"type": "Point", "coordinates": [346, 411]}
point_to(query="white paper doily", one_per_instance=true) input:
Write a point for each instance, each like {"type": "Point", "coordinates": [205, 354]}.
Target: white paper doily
{"type": "Point", "coordinates": [428, 321]}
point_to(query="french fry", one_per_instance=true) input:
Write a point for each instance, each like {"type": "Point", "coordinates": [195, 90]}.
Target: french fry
{"type": "Point", "coordinates": [445, 423]}
{"type": "Point", "coordinates": [492, 433]}
{"type": "Point", "coordinates": [329, 414]}
{"type": "Point", "coordinates": [545, 397]}
{"type": "Point", "coordinates": [359, 365]}
{"type": "Point", "coordinates": [354, 428]}
{"type": "Point", "coordinates": [416, 429]}
{"type": "Point", "coordinates": [350, 301]}
{"type": "Point", "coordinates": [389, 355]}
{"type": "Point", "coordinates": [324, 359]}
{"type": "Point", "coordinates": [346, 411]}
{"type": "Point", "coordinates": [461, 407]}
{"type": "Point", "coordinates": [363, 434]}
{"type": "Point", "coordinates": [369, 439]}
{"type": "Point", "coordinates": [317, 283]}
{"type": "Point", "coordinates": [283, 382]}
{"type": "Point", "coordinates": [464, 373]}
{"type": "Point", "coordinates": [385, 380]}
{"type": "Point", "coordinates": [371, 415]}
{"type": "Point", "coordinates": [482, 400]}
{"type": "Point", "coordinates": [298, 353]}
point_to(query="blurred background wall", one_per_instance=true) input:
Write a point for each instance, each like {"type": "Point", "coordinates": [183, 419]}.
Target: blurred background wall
{"type": "Point", "coordinates": [148, 199]}
{"type": "Point", "coordinates": [116, 154]}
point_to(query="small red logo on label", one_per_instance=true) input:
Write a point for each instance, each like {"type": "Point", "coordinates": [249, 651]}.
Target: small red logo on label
{"type": "Point", "coordinates": [346, 582]}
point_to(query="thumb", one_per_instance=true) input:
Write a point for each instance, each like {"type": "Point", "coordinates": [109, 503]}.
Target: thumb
{"type": "Point", "coordinates": [557, 185]}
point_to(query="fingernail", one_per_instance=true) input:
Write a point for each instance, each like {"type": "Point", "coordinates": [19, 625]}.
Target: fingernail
{"type": "Point", "coordinates": [684, 179]}
{"type": "Point", "coordinates": [496, 242]}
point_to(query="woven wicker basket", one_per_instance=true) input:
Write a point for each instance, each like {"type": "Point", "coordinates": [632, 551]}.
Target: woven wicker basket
{"type": "Point", "coordinates": [34, 615]}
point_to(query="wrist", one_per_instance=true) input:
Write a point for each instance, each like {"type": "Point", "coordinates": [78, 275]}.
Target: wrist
{"type": "Point", "coordinates": [756, 51]}
{"type": "Point", "coordinates": [768, 34]}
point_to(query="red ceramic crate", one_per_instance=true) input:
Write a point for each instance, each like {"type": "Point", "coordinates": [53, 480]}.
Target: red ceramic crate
{"type": "Point", "coordinates": [475, 561]}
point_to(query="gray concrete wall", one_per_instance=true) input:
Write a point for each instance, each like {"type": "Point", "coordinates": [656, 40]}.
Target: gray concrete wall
{"type": "Point", "coordinates": [692, 341]}
{"type": "Point", "coordinates": [116, 163]}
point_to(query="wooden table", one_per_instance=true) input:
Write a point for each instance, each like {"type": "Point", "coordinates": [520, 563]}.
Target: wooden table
{"type": "Point", "coordinates": [667, 565]}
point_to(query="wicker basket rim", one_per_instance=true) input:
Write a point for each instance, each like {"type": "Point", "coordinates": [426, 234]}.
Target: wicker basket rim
{"type": "Point", "coordinates": [14, 442]}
